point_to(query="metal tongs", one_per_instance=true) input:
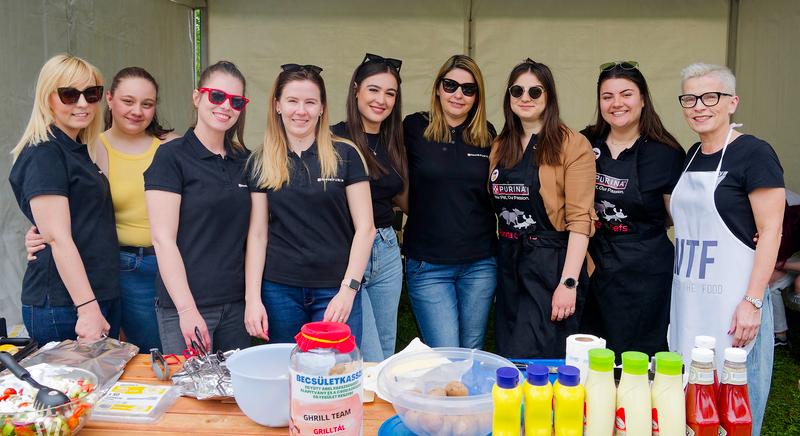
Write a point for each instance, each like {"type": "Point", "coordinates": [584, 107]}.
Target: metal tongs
{"type": "Point", "coordinates": [207, 362]}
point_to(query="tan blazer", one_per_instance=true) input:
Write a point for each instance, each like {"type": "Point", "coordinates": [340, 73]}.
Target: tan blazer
{"type": "Point", "coordinates": [568, 189]}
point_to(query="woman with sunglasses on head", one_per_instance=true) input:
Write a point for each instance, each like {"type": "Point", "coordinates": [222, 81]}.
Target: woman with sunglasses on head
{"type": "Point", "coordinates": [311, 227]}
{"type": "Point", "coordinates": [731, 188]}
{"type": "Point", "coordinates": [638, 163]}
{"type": "Point", "coordinates": [72, 287]}
{"type": "Point", "coordinates": [199, 205]}
{"type": "Point", "coordinates": [375, 125]}
{"type": "Point", "coordinates": [450, 238]}
{"type": "Point", "coordinates": [542, 182]}
{"type": "Point", "coordinates": [124, 151]}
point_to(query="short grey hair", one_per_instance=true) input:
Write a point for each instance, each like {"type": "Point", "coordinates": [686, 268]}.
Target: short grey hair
{"type": "Point", "coordinates": [721, 73]}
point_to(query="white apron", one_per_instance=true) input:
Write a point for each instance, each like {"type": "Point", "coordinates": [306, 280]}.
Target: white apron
{"type": "Point", "coordinates": [712, 266]}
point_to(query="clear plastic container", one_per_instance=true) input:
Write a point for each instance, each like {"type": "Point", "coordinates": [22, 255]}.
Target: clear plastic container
{"type": "Point", "coordinates": [408, 378]}
{"type": "Point", "coordinates": [135, 403]}
{"type": "Point", "coordinates": [325, 381]}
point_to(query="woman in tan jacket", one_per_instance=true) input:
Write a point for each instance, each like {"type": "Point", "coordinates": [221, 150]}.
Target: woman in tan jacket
{"type": "Point", "coordinates": [542, 187]}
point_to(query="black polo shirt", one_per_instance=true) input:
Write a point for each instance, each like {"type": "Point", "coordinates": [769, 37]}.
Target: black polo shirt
{"type": "Point", "coordinates": [450, 217]}
{"type": "Point", "coordinates": [384, 188]}
{"type": "Point", "coordinates": [310, 227]}
{"type": "Point", "coordinates": [214, 216]}
{"type": "Point", "coordinates": [61, 166]}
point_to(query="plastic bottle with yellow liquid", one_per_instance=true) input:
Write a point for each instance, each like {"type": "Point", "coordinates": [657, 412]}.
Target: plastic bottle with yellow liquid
{"type": "Point", "coordinates": [601, 394]}
{"type": "Point", "coordinates": [507, 399]}
{"type": "Point", "coordinates": [568, 396]}
{"type": "Point", "coordinates": [538, 394]}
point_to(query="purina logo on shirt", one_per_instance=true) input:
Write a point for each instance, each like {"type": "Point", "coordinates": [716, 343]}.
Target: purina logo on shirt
{"type": "Point", "coordinates": [510, 189]}
{"type": "Point", "coordinates": [330, 179]}
{"type": "Point", "coordinates": [611, 182]}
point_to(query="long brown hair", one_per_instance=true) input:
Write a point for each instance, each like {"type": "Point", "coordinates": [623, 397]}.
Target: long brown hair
{"type": "Point", "coordinates": [154, 128]}
{"type": "Point", "coordinates": [507, 151]}
{"type": "Point", "coordinates": [230, 69]}
{"type": "Point", "coordinates": [650, 125]}
{"type": "Point", "coordinates": [477, 132]}
{"type": "Point", "coordinates": [391, 129]}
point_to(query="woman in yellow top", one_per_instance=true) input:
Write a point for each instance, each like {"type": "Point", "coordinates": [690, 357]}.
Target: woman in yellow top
{"type": "Point", "coordinates": [123, 152]}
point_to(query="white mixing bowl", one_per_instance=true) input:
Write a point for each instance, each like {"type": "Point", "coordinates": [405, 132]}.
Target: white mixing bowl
{"type": "Point", "coordinates": [260, 378]}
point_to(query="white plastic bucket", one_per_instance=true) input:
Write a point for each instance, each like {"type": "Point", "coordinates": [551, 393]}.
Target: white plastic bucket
{"type": "Point", "coordinates": [260, 378]}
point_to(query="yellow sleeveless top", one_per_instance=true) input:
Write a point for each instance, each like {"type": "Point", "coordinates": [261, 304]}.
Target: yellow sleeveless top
{"type": "Point", "coordinates": [126, 177]}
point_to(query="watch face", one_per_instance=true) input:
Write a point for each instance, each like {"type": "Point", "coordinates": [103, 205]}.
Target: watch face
{"type": "Point", "coordinates": [570, 283]}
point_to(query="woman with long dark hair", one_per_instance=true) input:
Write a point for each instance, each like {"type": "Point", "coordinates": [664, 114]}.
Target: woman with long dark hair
{"type": "Point", "coordinates": [638, 163]}
{"type": "Point", "coordinates": [541, 182]}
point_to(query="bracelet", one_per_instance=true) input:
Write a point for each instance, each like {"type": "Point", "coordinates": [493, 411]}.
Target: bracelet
{"type": "Point", "coordinates": [184, 310]}
{"type": "Point", "coordinates": [84, 304]}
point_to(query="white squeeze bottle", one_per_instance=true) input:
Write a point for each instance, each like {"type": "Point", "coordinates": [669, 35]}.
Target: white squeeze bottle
{"type": "Point", "coordinates": [669, 405]}
{"type": "Point", "coordinates": [601, 394]}
{"type": "Point", "coordinates": [634, 413]}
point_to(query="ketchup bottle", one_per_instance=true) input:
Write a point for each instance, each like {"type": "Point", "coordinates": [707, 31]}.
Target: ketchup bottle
{"type": "Point", "coordinates": [710, 343]}
{"type": "Point", "coordinates": [734, 405]}
{"type": "Point", "coordinates": [701, 408]}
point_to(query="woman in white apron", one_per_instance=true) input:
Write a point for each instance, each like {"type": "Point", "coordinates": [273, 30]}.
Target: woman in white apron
{"type": "Point", "coordinates": [731, 188]}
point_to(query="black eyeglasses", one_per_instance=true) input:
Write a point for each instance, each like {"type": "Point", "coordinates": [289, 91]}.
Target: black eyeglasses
{"type": "Point", "coordinates": [534, 92]}
{"type": "Point", "coordinates": [392, 62]}
{"type": "Point", "coordinates": [70, 95]}
{"type": "Point", "coordinates": [291, 68]}
{"type": "Point", "coordinates": [625, 65]}
{"type": "Point", "coordinates": [450, 86]}
{"type": "Point", "coordinates": [709, 99]}
{"type": "Point", "coordinates": [217, 96]}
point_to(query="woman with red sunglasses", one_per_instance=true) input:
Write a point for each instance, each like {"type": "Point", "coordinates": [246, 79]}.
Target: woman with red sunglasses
{"type": "Point", "coordinates": [199, 206]}
{"type": "Point", "coordinates": [72, 288]}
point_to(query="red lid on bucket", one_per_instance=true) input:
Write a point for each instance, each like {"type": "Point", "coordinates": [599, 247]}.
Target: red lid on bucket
{"type": "Point", "coordinates": [326, 334]}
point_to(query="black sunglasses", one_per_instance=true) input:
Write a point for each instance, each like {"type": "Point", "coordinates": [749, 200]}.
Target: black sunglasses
{"type": "Point", "coordinates": [291, 68]}
{"type": "Point", "coordinates": [70, 95]}
{"type": "Point", "coordinates": [709, 99]}
{"type": "Point", "coordinates": [625, 65]}
{"type": "Point", "coordinates": [392, 62]}
{"type": "Point", "coordinates": [534, 92]}
{"type": "Point", "coordinates": [450, 86]}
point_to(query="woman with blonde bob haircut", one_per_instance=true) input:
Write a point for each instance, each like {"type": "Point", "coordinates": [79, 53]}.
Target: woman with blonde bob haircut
{"type": "Point", "coordinates": [311, 226]}
{"type": "Point", "coordinates": [450, 238]}
{"type": "Point", "coordinates": [72, 287]}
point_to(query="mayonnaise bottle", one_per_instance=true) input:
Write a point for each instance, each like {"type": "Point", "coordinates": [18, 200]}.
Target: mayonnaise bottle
{"type": "Point", "coordinates": [601, 394]}
{"type": "Point", "coordinates": [634, 413]}
{"type": "Point", "coordinates": [669, 406]}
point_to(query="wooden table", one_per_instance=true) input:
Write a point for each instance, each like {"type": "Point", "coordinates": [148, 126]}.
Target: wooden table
{"type": "Point", "coordinates": [194, 417]}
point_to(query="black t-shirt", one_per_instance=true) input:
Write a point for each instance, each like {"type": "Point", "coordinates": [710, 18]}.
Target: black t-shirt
{"type": "Point", "coordinates": [214, 216]}
{"type": "Point", "coordinates": [61, 166]}
{"type": "Point", "coordinates": [310, 227]}
{"type": "Point", "coordinates": [450, 217]}
{"type": "Point", "coordinates": [384, 188]}
{"type": "Point", "coordinates": [749, 164]}
{"type": "Point", "coordinates": [659, 167]}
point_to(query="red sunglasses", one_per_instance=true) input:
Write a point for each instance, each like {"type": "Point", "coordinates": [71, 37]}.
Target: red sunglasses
{"type": "Point", "coordinates": [216, 96]}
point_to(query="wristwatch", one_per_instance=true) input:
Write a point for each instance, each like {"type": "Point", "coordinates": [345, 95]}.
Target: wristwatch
{"type": "Point", "coordinates": [754, 301]}
{"type": "Point", "coordinates": [354, 284]}
{"type": "Point", "coordinates": [569, 282]}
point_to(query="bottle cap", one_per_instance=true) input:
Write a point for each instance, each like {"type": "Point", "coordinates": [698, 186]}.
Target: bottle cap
{"type": "Point", "coordinates": [569, 375]}
{"type": "Point", "coordinates": [601, 359]}
{"type": "Point", "coordinates": [702, 355]}
{"type": "Point", "coordinates": [668, 363]}
{"type": "Point", "coordinates": [635, 362]}
{"type": "Point", "coordinates": [708, 342]}
{"type": "Point", "coordinates": [325, 334]}
{"type": "Point", "coordinates": [507, 377]}
{"type": "Point", "coordinates": [537, 375]}
{"type": "Point", "coordinates": [736, 355]}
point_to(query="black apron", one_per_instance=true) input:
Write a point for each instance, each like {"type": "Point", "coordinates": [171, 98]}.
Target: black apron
{"type": "Point", "coordinates": [629, 293]}
{"type": "Point", "coordinates": [530, 261]}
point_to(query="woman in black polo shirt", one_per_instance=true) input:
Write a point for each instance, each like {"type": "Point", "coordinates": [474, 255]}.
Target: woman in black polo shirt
{"type": "Point", "coordinates": [450, 238]}
{"type": "Point", "coordinates": [72, 286]}
{"type": "Point", "coordinates": [198, 205]}
{"type": "Point", "coordinates": [311, 229]}
{"type": "Point", "coordinates": [638, 163]}
{"type": "Point", "coordinates": [375, 124]}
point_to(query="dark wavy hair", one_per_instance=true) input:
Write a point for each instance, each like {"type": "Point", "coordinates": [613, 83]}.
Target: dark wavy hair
{"type": "Point", "coordinates": [650, 125]}
{"type": "Point", "coordinates": [229, 68]}
{"type": "Point", "coordinates": [154, 128]}
{"type": "Point", "coordinates": [391, 129]}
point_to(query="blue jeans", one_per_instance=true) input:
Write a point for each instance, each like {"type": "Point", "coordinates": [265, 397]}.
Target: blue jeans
{"type": "Point", "coordinates": [759, 365]}
{"type": "Point", "coordinates": [55, 324]}
{"type": "Point", "coordinates": [380, 296]}
{"type": "Point", "coordinates": [137, 287]}
{"type": "Point", "coordinates": [452, 302]}
{"type": "Point", "coordinates": [289, 307]}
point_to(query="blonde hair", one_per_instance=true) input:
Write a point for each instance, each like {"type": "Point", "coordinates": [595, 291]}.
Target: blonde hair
{"type": "Point", "coordinates": [269, 164]}
{"type": "Point", "coordinates": [721, 73]}
{"type": "Point", "coordinates": [477, 132]}
{"type": "Point", "coordinates": [60, 71]}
